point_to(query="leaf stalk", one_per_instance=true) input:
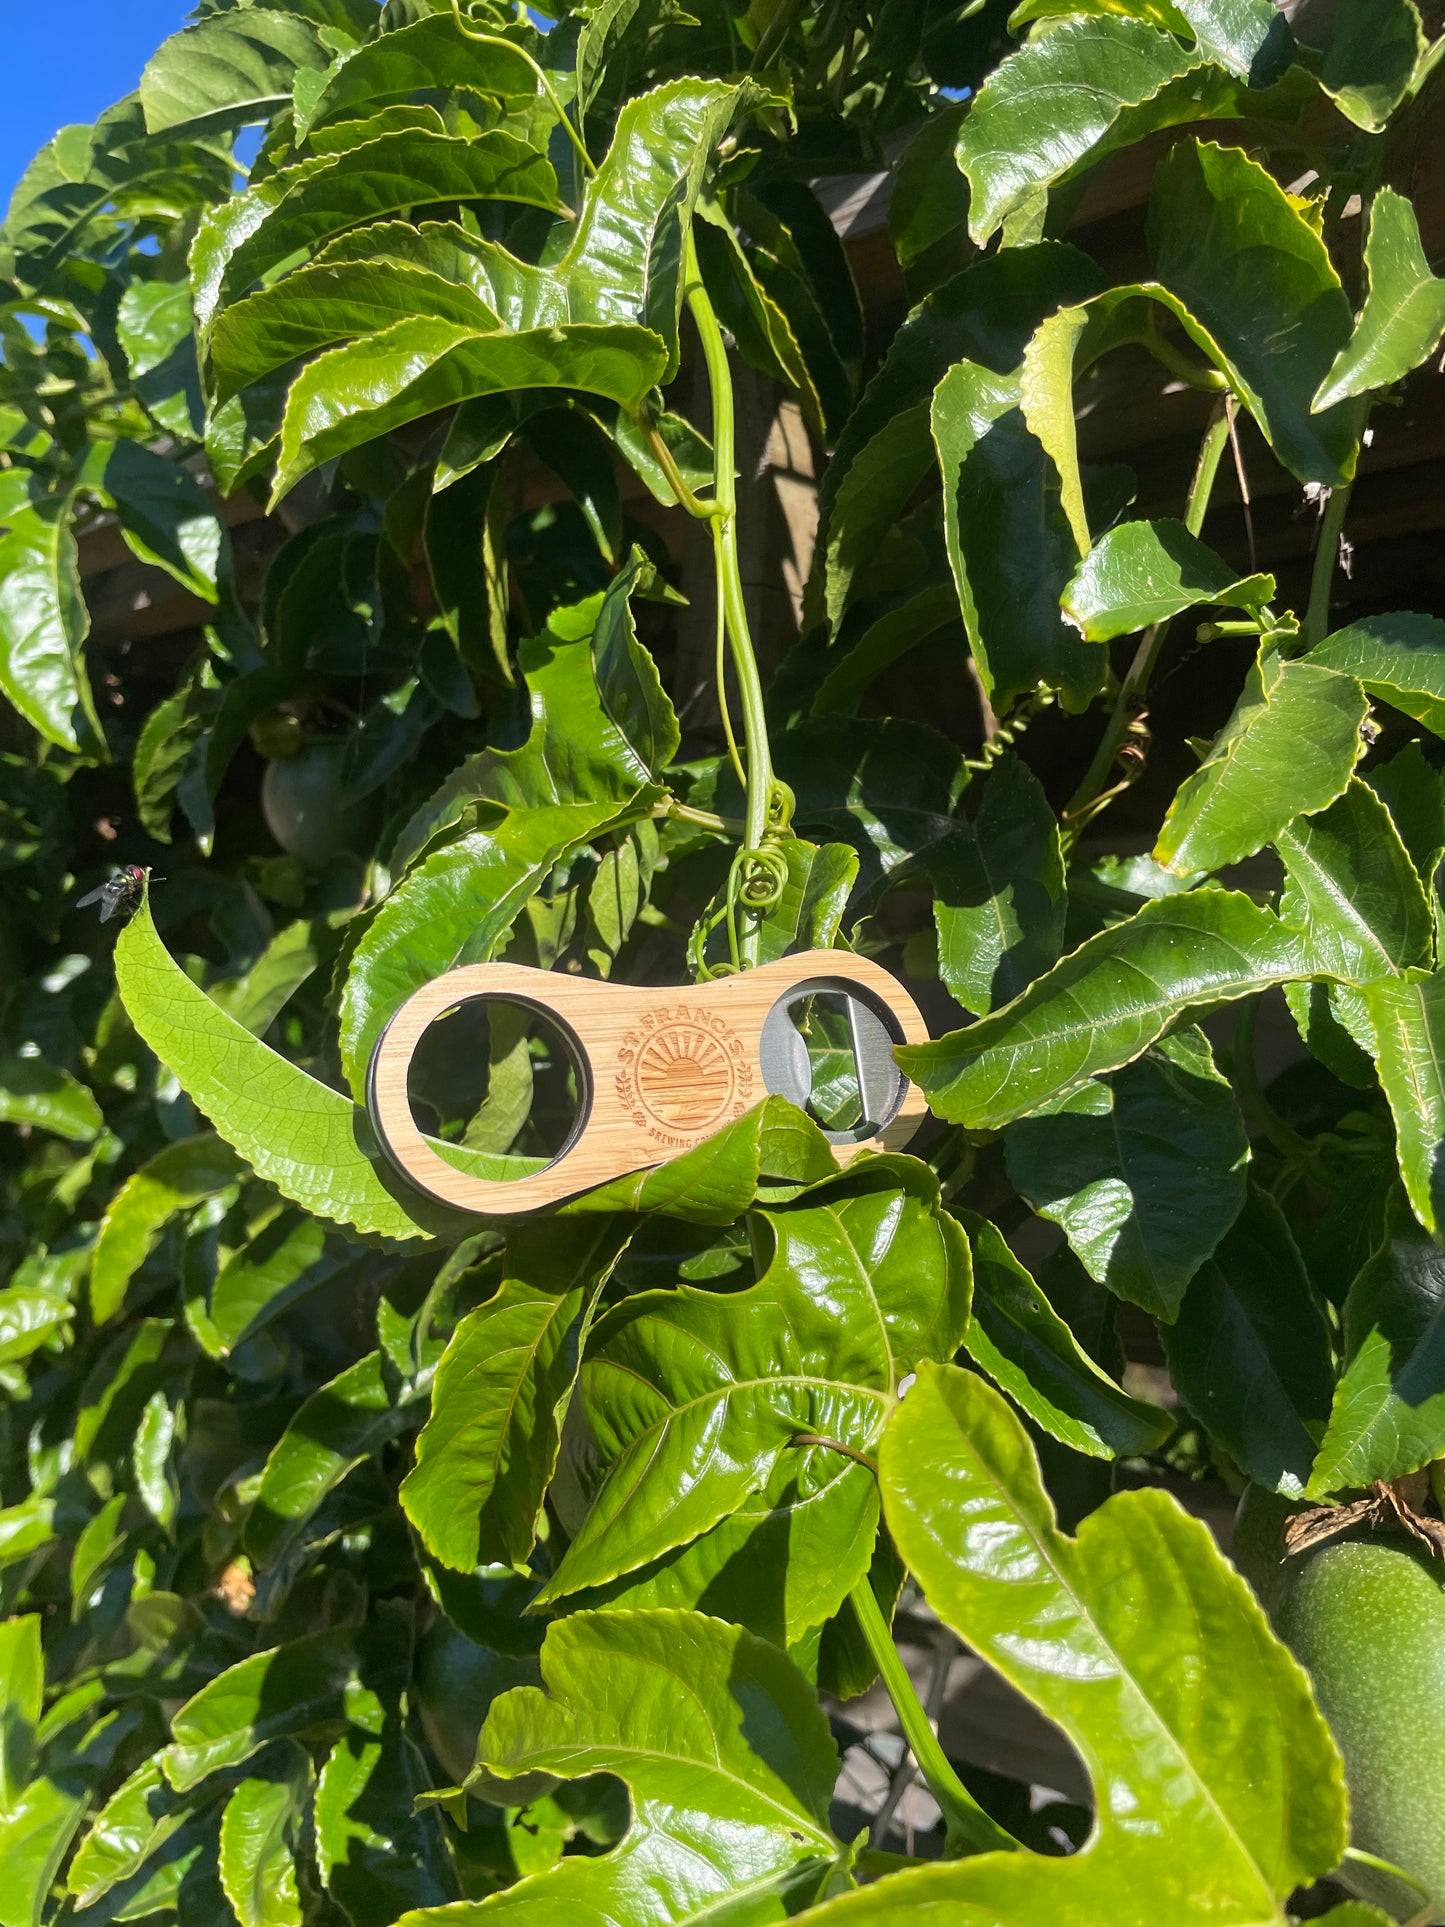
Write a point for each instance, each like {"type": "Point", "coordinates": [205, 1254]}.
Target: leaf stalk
{"type": "Point", "coordinates": [967, 1827]}
{"type": "Point", "coordinates": [1322, 572]}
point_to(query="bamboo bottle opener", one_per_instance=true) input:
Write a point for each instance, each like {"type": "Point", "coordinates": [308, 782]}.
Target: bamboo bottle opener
{"type": "Point", "coordinates": [657, 1070]}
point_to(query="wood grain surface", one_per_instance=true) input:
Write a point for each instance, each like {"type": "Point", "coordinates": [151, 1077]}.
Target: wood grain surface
{"type": "Point", "coordinates": [659, 1070]}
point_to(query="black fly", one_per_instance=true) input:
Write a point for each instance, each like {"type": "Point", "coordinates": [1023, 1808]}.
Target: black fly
{"type": "Point", "coordinates": [117, 893]}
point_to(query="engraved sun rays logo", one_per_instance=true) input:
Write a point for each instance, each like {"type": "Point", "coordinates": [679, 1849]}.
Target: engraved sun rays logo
{"type": "Point", "coordinates": [685, 1078]}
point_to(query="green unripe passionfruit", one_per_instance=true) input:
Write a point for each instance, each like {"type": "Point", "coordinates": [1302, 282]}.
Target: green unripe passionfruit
{"type": "Point", "coordinates": [301, 799]}
{"type": "Point", "coordinates": [1367, 1620]}
{"type": "Point", "coordinates": [456, 1684]}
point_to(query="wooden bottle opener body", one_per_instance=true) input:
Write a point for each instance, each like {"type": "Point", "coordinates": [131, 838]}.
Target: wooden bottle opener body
{"type": "Point", "coordinates": [658, 1070]}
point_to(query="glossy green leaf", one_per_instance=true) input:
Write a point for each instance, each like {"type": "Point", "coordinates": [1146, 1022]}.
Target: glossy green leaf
{"type": "Point", "coordinates": [577, 775]}
{"type": "Point", "coordinates": [314, 1145]}
{"type": "Point", "coordinates": [1138, 1639]}
{"type": "Point", "coordinates": [338, 1427]}
{"type": "Point", "coordinates": [22, 1686]}
{"type": "Point", "coordinates": [30, 1318]}
{"type": "Point", "coordinates": [1388, 1416]}
{"type": "Point", "coordinates": [377, 1855]}
{"type": "Point", "coordinates": [999, 892]}
{"type": "Point", "coordinates": [183, 1174]}
{"type": "Point", "coordinates": [1249, 1353]}
{"type": "Point", "coordinates": [1029, 1352]}
{"type": "Point", "coordinates": [487, 1452]}
{"type": "Point", "coordinates": [1370, 60]}
{"type": "Point", "coordinates": [987, 314]}
{"type": "Point", "coordinates": [1287, 751]}
{"type": "Point", "coordinates": [773, 1147]}
{"type": "Point", "coordinates": [1400, 658]}
{"type": "Point", "coordinates": [137, 1820]}
{"type": "Point", "coordinates": [416, 59]}
{"type": "Point", "coordinates": [37, 1094]}
{"type": "Point", "coordinates": [677, 1704]}
{"type": "Point", "coordinates": [1225, 239]}
{"type": "Point", "coordinates": [259, 1831]}
{"type": "Point", "coordinates": [1088, 86]}
{"type": "Point", "coordinates": [865, 1279]}
{"type": "Point", "coordinates": [1143, 572]}
{"type": "Point", "coordinates": [1353, 890]}
{"type": "Point", "coordinates": [1009, 542]}
{"type": "Point", "coordinates": [43, 623]}
{"type": "Point", "coordinates": [304, 206]}
{"type": "Point", "coordinates": [929, 202]}
{"type": "Point", "coordinates": [1403, 319]}
{"type": "Point", "coordinates": [1145, 1173]}
{"type": "Point", "coordinates": [329, 302]}
{"type": "Point", "coordinates": [257, 998]}
{"type": "Point", "coordinates": [167, 518]}
{"type": "Point", "coordinates": [79, 1753]}
{"type": "Point", "coordinates": [886, 639]}
{"type": "Point", "coordinates": [235, 67]}
{"type": "Point", "coordinates": [1408, 1020]}
{"type": "Point", "coordinates": [288, 1690]}
{"type": "Point", "coordinates": [416, 367]}
{"type": "Point", "coordinates": [1104, 1004]}
{"type": "Point", "coordinates": [257, 1283]}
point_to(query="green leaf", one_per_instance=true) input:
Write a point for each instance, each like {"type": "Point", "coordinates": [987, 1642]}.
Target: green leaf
{"type": "Point", "coordinates": [257, 998]}
{"type": "Point", "coordinates": [30, 1318]}
{"type": "Point", "coordinates": [1408, 1020]}
{"type": "Point", "coordinates": [1225, 1790]}
{"type": "Point", "coordinates": [1388, 1416]}
{"type": "Point", "coordinates": [135, 1823]}
{"type": "Point", "coordinates": [987, 314]}
{"type": "Point", "coordinates": [36, 1831]}
{"type": "Point", "coordinates": [1144, 572]}
{"type": "Point", "coordinates": [416, 59]}
{"type": "Point", "coordinates": [166, 518]}
{"type": "Point", "coordinates": [1066, 99]}
{"type": "Point", "coordinates": [929, 202]}
{"type": "Point", "coordinates": [43, 622]}
{"type": "Point", "coordinates": [1287, 751]}
{"type": "Point", "coordinates": [669, 1700]}
{"type": "Point", "coordinates": [1249, 1353]}
{"type": "Point", "coordinates": [35, 1093]}
{"type": "Point", "coordinates": [1400, 658]}
{"type": "Point", "coordinates": [377, 1855]}
{"type": "Point", "coordinates": [576, 775]}
{"type": "Point", "coordinates": [1026, 1348]}
{"type": "Point", "coordinates": [22, 1686]}
{"type": "Point", "coordinates": [486, 1454]}
{"type": "Point", "coordinates": [866, 1277]}
{"type": "Point", "coordinates": [1009, 541]}
{"type": "Point", "coordinates": [1370, 60]}
{"type": "Point", "coordinates": [886, 639]}
{"type": "Point", "coordinates": [259, 1830]}
{"type": "Point", "coordinates": [339, 1426]}
{"type": "Point", "coordinates": [355, 393]}
{"type": "Point", "coordinates": [1226, 240]}
{"type": "Point", "coordinates": [1403, 319]}
{"type": "Point", "coordinates": [292, 1689]}
{"type": "Point", "coordinates": [331, 301]}
{"type": "Point", "coordinates": [298, 209]}
{"type": "Point", "coordinates": [183, 1174]}
{"type": "Point", "coordinates": [1145, 1173]}
{"type": "Point", "coordinates": [1104, 1004]}
{"type": "Point", "coordinates": [633, 698]}
{"type": "Point", "coordinates": [999, 884]}
{"type": "Point", "coordinates": [774, 1146]}
{"type": "Point", "coordinates": [257, 1283]}
{"type": "Point", "coordinates": [314, 1145]}
{"type": "Point", "coordinates": [235, 67]}
{"type": "Point", "coordinates": [1353, 891]}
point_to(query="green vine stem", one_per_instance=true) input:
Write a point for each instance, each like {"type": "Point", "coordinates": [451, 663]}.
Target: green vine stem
{"type": "Point", "coordinates": [589, 166]}
{"type": "Point", "coordinates": [1322, 574]}
{"type": "Point", "coordinates": [968, 1828]}
{"type": "Point", "coordinates": [762, 788]}
{"type": "Point", "coordinates": [1090, 796]}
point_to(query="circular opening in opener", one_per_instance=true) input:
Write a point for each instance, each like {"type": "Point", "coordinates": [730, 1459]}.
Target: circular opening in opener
{"type": "Point", "coordinates": [498, 1087]}
{"type": "Point", "coordinates": [828, 1047]}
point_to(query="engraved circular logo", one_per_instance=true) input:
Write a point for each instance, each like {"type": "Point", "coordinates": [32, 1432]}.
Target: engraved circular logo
{"type": "Point", "coordinates": [684, 1078]}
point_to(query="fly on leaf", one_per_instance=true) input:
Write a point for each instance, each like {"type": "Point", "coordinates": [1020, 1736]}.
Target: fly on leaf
{"type": "Point", "coordinates": [117, 893]}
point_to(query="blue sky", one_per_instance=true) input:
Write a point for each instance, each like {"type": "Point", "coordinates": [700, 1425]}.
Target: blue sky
{"type": "Point", "coordinates": [67, 60]}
